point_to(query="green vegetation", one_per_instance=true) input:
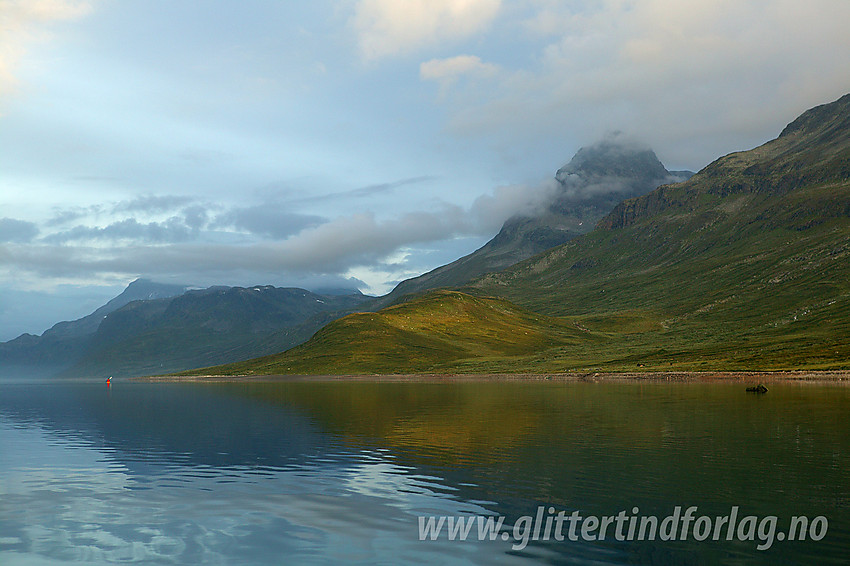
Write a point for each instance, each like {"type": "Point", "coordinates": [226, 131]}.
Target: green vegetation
{"type": "Point", "coordinates": [438, 331]}
{"type": "Point", "coordinates": [746, 266]}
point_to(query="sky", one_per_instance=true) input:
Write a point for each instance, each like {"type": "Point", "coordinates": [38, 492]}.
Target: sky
{"type": "Point", "coordinates": [352, 143]}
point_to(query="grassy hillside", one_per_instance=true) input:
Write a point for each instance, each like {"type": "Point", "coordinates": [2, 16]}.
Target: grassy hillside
{"type": "Point", "coordinates": [434, 332]}
{"type": "Point", "coordinates": [746, 266]}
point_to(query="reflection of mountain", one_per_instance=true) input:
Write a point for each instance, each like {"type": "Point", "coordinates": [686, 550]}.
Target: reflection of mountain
{"type": "Point", "coordinates": [594, 447]}
{"type": "Point", "coordinates": [150, 429]}
{"type": "Point", "coordinates": [534, 430]}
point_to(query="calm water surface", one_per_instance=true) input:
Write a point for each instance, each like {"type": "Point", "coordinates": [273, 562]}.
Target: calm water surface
{"type": "Point", "coordinates": [340, 472]}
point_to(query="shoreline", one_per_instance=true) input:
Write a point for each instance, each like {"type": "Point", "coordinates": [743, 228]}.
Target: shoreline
{"type": "Point", "coordinates": [799, 376]}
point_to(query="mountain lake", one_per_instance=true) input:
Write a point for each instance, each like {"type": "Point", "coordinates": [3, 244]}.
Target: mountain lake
{"type": "Point", "coordinates": [359, 472]}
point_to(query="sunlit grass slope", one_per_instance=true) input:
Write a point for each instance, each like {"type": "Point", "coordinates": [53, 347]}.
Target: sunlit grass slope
{"type": "Point", "coordinates": [434, 332]}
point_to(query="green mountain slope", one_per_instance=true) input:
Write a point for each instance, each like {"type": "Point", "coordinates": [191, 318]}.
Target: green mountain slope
{"type": "Point", "coordinates": [746, 266]}
{"type": "Point", "coordinates": [433, 332]}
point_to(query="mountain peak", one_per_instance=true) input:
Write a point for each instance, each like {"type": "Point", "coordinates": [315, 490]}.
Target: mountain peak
{"type": "Point", "coordinates": [145, 289]}
{"type": "Point", "coordinates": [597, 178]}
{"type": "Point", "coordinates": [614, 156]}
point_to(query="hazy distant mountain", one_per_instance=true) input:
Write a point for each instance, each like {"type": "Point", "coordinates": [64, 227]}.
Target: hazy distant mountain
{"type": "Point", "coordinates": [596, 179]}
{"type": "Point", "coordinates": [208, 326]}
{"type": "Point", "coordinates": [745, 266]}
{"type": "Point", "coordinates": [153, 326]}
{"type": "Point", "coordinates": [138, 290]}
{"type": "Point", "coordinates": [64, 342]}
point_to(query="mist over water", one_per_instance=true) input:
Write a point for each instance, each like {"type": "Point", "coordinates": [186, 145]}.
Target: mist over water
{"type": "Point", "coordinates": [330, 472]}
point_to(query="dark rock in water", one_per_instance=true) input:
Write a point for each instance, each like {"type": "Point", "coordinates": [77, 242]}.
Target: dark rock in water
{"type": "Point", "coordinates": [760, 388]}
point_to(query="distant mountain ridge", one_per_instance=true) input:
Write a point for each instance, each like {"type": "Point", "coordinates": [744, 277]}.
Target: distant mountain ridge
{"type": "Point", "coordinates": [138, 290]}
{"type": "Point", "coordinates": [595, 180]}
{"type": "Point", "coordinates": [153, 326]}
{"type": "Point", "coordinates": [219, 324]}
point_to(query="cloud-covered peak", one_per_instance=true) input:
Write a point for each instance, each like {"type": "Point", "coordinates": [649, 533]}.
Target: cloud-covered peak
{"type": "Point", "coordinates": [616, 155]}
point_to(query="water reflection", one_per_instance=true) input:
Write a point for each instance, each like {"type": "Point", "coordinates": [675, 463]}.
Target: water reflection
{"type": "Point", "coordinates": [327, 472]}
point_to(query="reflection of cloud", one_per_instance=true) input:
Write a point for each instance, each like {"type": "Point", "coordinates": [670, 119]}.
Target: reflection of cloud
{"type": "Point", "coordinates": [390, 27]}
{"type": "Point", "coordinates": [91, 505]}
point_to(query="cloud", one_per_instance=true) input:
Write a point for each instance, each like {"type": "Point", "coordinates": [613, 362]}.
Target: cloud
{"type": "Point", "coordinates": [392, 27]}
{"type": "Point", "coordinates": [21, 22]}
{"type": "Point", "coordinates": [491, 210]}
{"type": "Point", "coordinates": [295, 245]}
{"type": "Point", "coordinates": [152, 203]}
{"type": "Point", "coordinates": [267, 220]}
{"type": "Point", "coordinates": [367, 191]}
{"type": "Point", "coordinates": [451, 68]}
{"type": "Point", "coordinates": [379, 188]}
{"type": "Point", "coordinates": [195, 217]}
{"type": "Point", "coordinates": [362, 239]}
{"type": "Point", "coordinates": [687, 76]}
{"type": "Point", "coordinates": [174, 229]}
{"type": "Point", "coordinates": [62, 216]}
{"type": "Point", "coordinates": [357, 239]}
{"type": "Point", "coordinates": [171, 236]}
{"type": "Point", "coordinates": [13, 230]}
{"type": "Point", "coordinates": [142, 205]}
{"type": "Point", "coordinates": [155, 219]}
{"type": "Point", "coordinates": [447, 71]}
